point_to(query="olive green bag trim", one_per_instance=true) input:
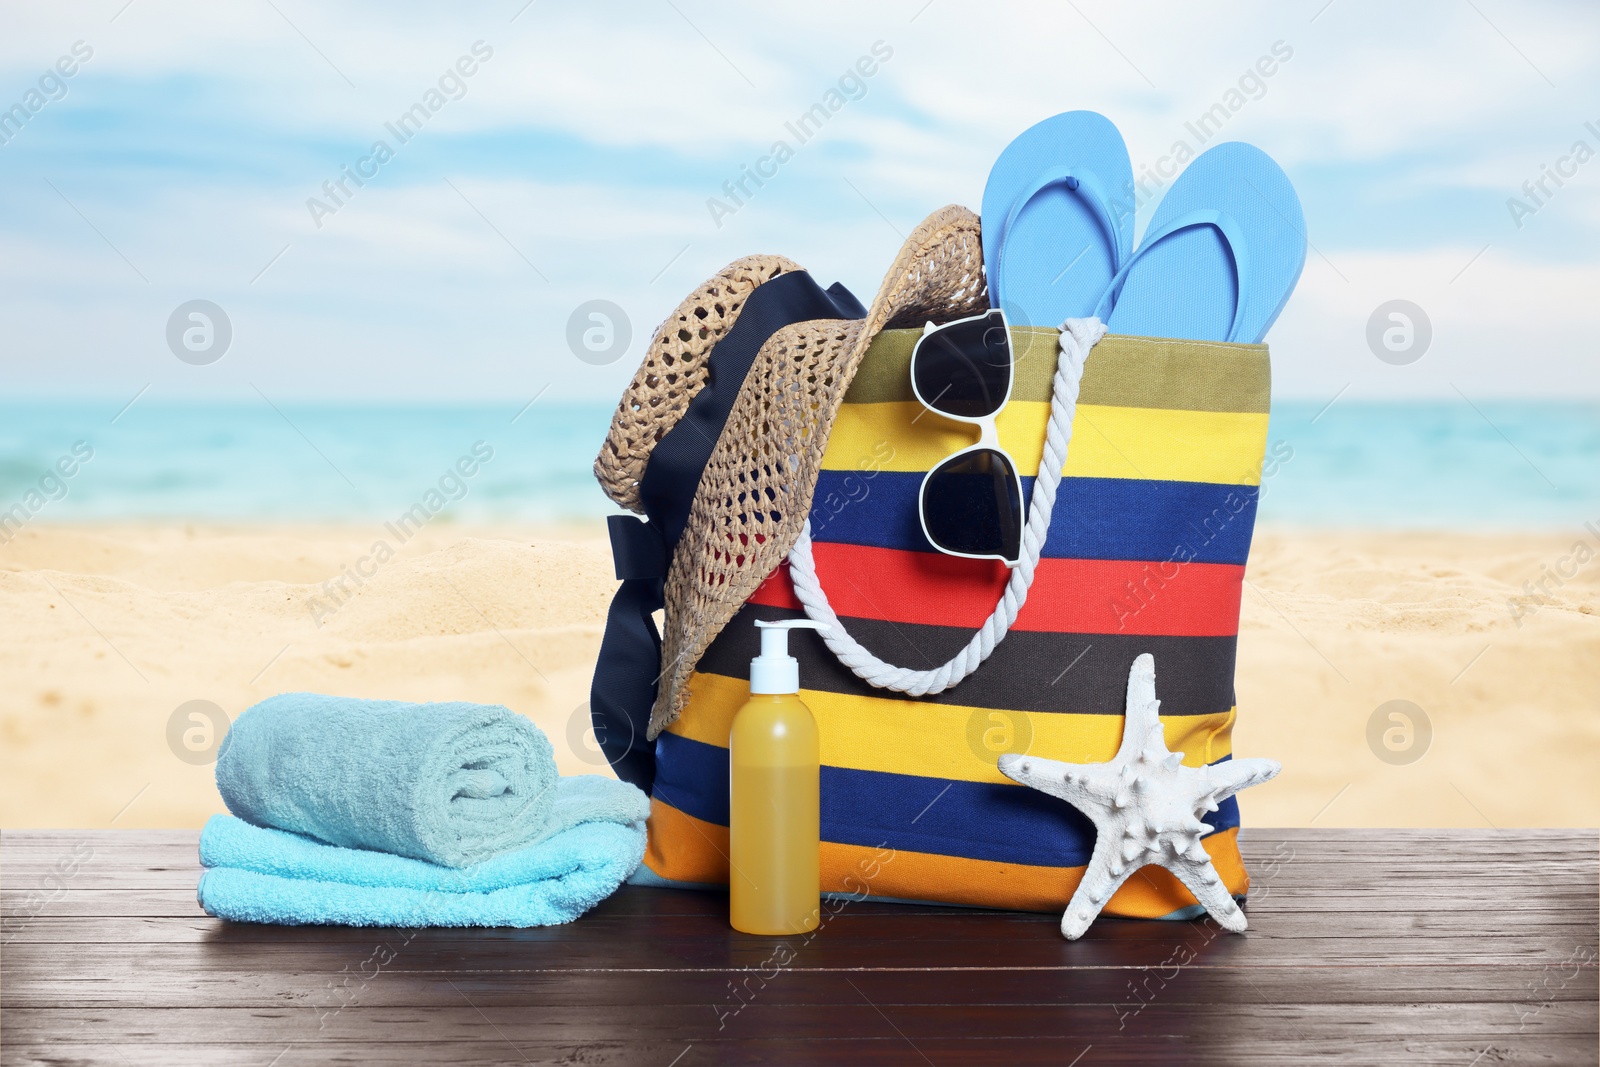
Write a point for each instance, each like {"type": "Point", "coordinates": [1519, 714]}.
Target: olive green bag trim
{"type": "Point", "coordinates": [1134, 372]}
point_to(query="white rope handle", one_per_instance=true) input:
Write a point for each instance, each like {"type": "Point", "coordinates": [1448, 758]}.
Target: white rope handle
{"type": "Point", "coordinates": [1078, 336]}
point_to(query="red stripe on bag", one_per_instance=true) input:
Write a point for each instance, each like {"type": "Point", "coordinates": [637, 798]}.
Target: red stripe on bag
{"type": "Point", "coordinates": [1084, 596]}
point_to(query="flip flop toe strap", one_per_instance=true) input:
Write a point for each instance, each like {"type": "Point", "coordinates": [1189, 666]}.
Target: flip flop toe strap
{"type": "Point", "coordinates": [1232, 236]}
{"type": "Point", "coordinates": [1089, 189]}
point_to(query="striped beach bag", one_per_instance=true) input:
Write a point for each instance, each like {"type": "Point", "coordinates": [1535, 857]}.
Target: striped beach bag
{"type": "Point", "coordinates": [1145, 553]}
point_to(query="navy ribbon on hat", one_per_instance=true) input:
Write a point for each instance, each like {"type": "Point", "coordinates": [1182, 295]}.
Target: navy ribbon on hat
{"type": "Point", "coordinates": [628, 672]}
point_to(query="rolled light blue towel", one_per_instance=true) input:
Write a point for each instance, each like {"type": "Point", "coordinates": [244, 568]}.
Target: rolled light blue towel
{"type": "Point", "coordinates": [593, 841]}
{"type": "Point", "coordinates": [452, 783]}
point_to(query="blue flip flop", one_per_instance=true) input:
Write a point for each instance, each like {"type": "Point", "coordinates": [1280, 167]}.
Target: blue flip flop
{"type": "Point", "coordinates": [1220, 257]}
{"type": "Point", "coordinates": [1057, 218]}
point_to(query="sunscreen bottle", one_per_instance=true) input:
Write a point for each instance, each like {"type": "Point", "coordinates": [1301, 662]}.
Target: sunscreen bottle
{"type": "Point", "coordinates": [774, 816]}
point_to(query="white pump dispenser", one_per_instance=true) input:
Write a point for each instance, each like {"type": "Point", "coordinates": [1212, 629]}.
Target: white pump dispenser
{"type": "Point", "coordinates": [775, 671]}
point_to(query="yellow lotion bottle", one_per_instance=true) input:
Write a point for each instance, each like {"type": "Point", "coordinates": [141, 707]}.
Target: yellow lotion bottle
{"type": "Point", "coordinates": [774, 817]}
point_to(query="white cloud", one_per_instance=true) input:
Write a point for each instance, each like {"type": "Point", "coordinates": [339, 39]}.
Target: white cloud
{"type": "Point", "coordinates": [1501, 325]}
{"type": "Point", "coordinates": [1401, 104]}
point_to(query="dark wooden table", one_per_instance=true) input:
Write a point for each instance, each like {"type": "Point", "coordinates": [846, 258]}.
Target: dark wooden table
{"type": "Point", "coordinates": [1365, 946]}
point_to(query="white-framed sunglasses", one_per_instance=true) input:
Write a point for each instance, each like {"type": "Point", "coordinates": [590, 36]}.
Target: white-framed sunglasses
{"type": "Point", "coordinates": [970, 505]}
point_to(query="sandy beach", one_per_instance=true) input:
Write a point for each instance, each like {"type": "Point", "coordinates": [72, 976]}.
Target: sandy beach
{"type": "Point", "coordinates": [113, 628]}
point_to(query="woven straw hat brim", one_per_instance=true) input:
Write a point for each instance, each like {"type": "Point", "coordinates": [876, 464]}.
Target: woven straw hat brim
{"type": "Point", "coordinates": [756, 492]}
{"type": "Point", "coordinates": [673, 371]}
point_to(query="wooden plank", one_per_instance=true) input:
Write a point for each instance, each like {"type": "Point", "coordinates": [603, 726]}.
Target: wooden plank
{"type": "Point", "coordinates": [19, 906]}
{"type": "Point", "coordinates": [864, 1034]}
{"type": "Point", "coordinates": [99, 903]}
{"type": "Point", "coordinates": [861, 922]}
{"type": "Point", "coordinates": [1365, 946]}
{"type": "Point", "coordinates": [1042, 950]}
{"type": "Point", "coordinates": [1125, 987]}
{"type": "Point", "coordinates": [464, 1021]}
{"type": "Point", "coordinates": [887, 1049]}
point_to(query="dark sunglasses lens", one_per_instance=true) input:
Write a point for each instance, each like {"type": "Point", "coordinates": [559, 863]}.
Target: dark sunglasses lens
{"type": "Point", "coordinates": [965, 369]}
{"type": "Point", "coordinates": [970, 505]}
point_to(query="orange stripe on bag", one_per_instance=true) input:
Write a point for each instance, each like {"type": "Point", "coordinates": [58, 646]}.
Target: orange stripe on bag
{"type": "Point", "coordinates": [1152, 893]}
{"type": "Point", "coordinates": [683, 848]}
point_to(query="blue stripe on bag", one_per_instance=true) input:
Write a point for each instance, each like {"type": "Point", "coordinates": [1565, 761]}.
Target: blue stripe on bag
{"type": "Point", "coordinates": [1094, 518]}
{"type": "Point", "coordinates": [975, 820]}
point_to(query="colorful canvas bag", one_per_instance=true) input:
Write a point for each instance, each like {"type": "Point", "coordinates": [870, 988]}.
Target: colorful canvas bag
{"type": "Point", "coordinates": [1145, 553]}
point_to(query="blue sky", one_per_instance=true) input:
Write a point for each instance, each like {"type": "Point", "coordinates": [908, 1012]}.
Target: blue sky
{"type": "Point", "coordinates": [578, 160]}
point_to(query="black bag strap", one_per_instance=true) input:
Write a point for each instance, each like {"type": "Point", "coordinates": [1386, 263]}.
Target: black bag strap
{"type": "Point", "coordinates": [629, 667]}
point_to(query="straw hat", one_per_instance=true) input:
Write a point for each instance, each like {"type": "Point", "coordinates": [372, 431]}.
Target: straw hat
{"type": "Point", "coordinates": [756, 491]}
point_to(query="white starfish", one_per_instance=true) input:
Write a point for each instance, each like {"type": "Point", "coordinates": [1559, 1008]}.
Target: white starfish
{"type": "Point", "coordinates": [1146, 807]}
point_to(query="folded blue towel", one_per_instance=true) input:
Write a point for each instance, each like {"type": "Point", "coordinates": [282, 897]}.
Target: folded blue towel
{"type": "Point", "coordinates": [592, 843]}
{"type": "Point", "coordinates": [452, 783]}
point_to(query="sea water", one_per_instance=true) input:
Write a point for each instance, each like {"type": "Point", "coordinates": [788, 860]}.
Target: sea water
{"type": "Point", "coordinates": [1434, 465]}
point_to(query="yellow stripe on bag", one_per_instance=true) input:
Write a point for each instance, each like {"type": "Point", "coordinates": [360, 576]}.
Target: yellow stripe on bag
{"type": "Point", "coordinates": [949, 741]}
{"type": "Point", "coordinates": [1107, 442]}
